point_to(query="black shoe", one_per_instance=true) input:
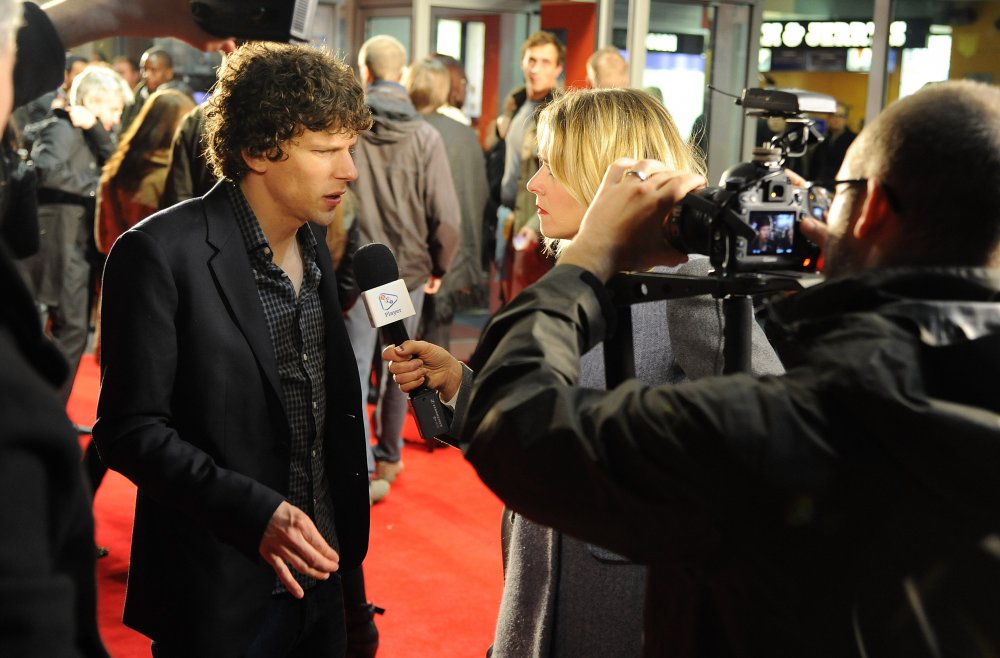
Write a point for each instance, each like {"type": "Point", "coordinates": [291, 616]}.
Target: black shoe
{"type": "Point", "coordinates": [101, 551]}
{"type": "Point", "coordinates": [362, 635]}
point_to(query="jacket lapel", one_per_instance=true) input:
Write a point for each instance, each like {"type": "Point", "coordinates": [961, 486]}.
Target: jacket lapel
{"type": "Point", "coordinates": [230, 267]}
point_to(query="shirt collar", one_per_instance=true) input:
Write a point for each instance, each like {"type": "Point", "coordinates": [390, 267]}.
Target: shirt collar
{"type": "Point", "coordinates": [253, 234]}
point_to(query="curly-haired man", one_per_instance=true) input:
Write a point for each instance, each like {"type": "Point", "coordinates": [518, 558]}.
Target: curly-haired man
{"type": "Point", "coordinates": [223, 393]}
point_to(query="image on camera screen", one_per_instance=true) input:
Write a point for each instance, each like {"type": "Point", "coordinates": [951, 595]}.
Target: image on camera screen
{"type": "Point", "coordinates": [774, 233]}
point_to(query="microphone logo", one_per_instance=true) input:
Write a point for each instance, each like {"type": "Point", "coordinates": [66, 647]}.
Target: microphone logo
{"type": "Point", "coordinates": [387, 300]}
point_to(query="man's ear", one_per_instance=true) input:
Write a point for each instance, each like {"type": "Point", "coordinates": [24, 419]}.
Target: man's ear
{"type": "Point", "coordinates": [256, 163]}
{"type": "Point", "coordinates": [877, 213]}
{"type": "Point", "coordinates": [366, 76]}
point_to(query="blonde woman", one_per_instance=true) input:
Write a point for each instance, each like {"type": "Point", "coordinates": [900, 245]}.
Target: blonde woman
{"type": "Point", "coordinates": [563, 597]}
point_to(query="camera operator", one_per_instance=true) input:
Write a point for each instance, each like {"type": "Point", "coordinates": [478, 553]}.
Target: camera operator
{"type": "Point", "coordinates": [845, 508]}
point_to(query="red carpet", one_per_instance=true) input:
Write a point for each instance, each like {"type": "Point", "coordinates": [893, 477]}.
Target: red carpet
{"type": "Point", "coordinates": [433, 563]}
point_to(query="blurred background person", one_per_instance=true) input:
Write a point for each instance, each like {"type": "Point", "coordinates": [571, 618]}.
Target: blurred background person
{"type": "Point", "coordinates": [69, 152]}
{"type": "Point", "coordinates": [406, 201]}
{"type": "Point", "coordinates": [128, 70]}
{"type": "Point", "coordinates": [607, 69]}
{"type": "Point", "coordinates": [133, 178]}
{"type": "Point", "coordinates": [188, 174]}
{"type": "Point", "coordinates": [463, 286]}
{"type": "Point", "coordinates": [826, 157]}
{"type": "Point", "coordinates": [520, 260]}
{"type": "Point", "coordinates": [157, 71]}
{"type": "Point", "coordinates": [458, 88]}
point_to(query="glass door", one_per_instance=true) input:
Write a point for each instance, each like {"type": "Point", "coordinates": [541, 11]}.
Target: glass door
{"type": "Point", "coordinates": [677, 50]}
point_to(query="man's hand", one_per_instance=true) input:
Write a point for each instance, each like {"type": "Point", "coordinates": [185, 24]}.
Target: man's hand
{"type": "Point", "coordinates": [623, 227]}
{"type": "Point", "coordinates": [432, 286]}
{"type": "Point", "coordinates": [814, 230]}
{"type": "Point", "coordinates": [292, 538]}
{"type": "Point", "coordinates": [416, 362]}
{"type": "Point", "coordinates": [82, 21]}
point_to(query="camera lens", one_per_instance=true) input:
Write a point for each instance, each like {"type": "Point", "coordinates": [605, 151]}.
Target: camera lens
{"type": "Point", "coordinates": [689, 228]}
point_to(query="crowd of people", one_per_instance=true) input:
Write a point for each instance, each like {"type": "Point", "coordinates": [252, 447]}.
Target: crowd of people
{"type": "Point", "coordinates": [837, 500]}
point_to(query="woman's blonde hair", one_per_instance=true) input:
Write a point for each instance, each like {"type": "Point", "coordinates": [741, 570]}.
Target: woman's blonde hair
{"type": "Point", "coordinates": [585, 130]}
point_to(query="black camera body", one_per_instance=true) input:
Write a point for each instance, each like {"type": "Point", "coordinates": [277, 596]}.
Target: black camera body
{"type": "Point", "coordinates": [258, 20]}
{"type": "Point", "coordinates": [751, 223]}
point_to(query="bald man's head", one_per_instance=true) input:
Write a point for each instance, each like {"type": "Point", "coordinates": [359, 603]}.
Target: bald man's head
{"type": "Point", "coordinates": [606, 69]}
{"type": "Point", "coordinates": [936, 156]}
{"type": "Point", "coordinates": [384, 58]}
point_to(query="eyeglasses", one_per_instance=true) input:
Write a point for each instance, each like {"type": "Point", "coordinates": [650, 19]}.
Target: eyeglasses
{"type": "Point", "coordinates": [889, 193]}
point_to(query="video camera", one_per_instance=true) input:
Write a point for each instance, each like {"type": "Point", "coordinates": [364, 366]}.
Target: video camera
{"type": "Point", "coordinates": [751, 223]}
{"type": "Point", "coordinates": [258, 20]}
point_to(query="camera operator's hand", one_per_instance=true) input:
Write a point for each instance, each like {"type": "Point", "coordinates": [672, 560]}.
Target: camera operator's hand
{"type": "Point", "coordinates": [623, 227]}
{"type": "Point", "coordinates": [797, 181]}
{"type": "Point", "coordinates": [813, 229]}
{"type": "Point", "coordinates": [82, 21]}
{"type": "Point", "coordinates": [416, 362]}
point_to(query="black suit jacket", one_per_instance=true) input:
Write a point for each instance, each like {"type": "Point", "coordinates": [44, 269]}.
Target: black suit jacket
{"type": "Point", "coordinates": [191, 411]}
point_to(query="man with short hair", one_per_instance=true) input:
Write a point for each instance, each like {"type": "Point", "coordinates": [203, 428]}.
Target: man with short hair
{"type": "Point", "coordinates": [522, 261]}
{"type": "Point", "coordinates": [607, 69]}
{"type": "Point", "coordinates": [224, 395]}
{"type": "Point", "coordinates": [406, 201]}
{"type": "Point", "coordinates": [157, 71]}
{"type": "Point", "coordinates": [848, 507]}
{"type": "Point", "coordinates": [127, 69]}
{"type": "Point", "coordinates": [826, 157]}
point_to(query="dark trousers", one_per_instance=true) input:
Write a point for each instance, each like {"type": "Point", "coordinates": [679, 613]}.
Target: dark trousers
{"type": "Point", "coordinates": [311, 627]}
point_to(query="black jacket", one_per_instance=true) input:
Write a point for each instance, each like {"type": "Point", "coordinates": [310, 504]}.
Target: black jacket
{"type": "Point", "coordinates": [191, 411]}
{"type": "Point", "coordinates": [781, 516]}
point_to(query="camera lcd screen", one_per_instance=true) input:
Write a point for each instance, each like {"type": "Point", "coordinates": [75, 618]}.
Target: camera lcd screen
{"type": "Point", "coordinates": [774, 233]}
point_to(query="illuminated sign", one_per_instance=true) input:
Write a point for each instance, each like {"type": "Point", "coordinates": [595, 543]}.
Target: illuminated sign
{"type": "Point", "coordinates": [664, 42]}
{"type": "Point", "coordinates": [838, 34]}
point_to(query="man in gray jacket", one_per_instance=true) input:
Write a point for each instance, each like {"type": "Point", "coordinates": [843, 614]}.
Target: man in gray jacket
{"type": "Point", "coordinates": [406, 200]}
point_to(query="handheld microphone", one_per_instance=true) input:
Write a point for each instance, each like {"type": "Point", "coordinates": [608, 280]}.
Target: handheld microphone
{"type": "Point", "coordinates": [388, 303]}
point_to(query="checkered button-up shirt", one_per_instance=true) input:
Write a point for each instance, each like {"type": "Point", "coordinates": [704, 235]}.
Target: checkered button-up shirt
{"type": "Point", "coordinates": [295, 323]}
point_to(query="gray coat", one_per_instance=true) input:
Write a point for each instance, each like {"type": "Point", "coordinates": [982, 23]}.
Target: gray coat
{"type": "Point", "coordinates": [406, 197]}
{"type": "Point", "coordinates": [465, 282]}
{"type": "Point", "coordinates": [564, 597]}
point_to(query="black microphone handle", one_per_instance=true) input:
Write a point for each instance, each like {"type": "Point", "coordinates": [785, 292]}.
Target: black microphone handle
{"type": "Point", "coordinates": [428, 409]}
{"type": "Point", "coordinates": [395, 333]}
